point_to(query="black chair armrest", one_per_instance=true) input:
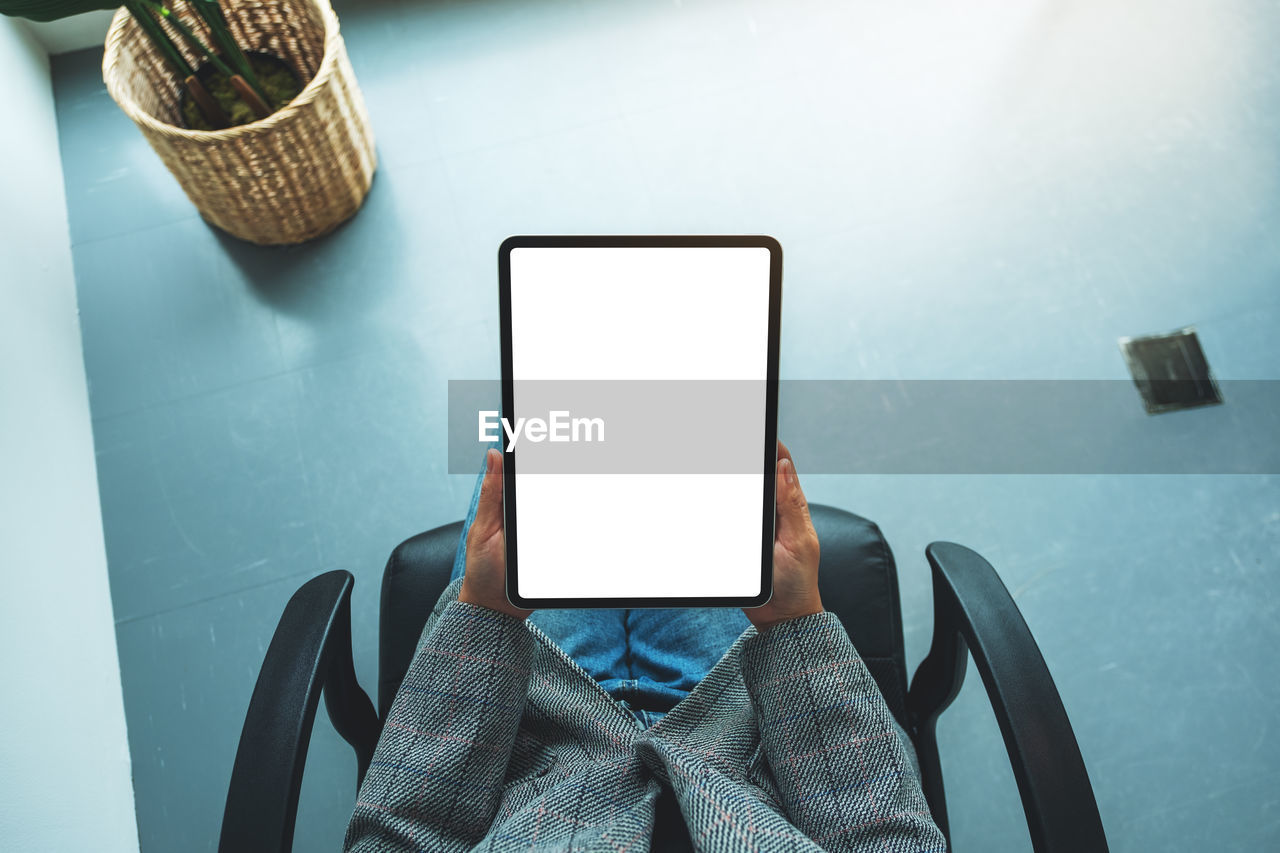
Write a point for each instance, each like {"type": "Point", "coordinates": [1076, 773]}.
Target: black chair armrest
{"type": "Point", "coordinates": [310, 653]}
{"type": "Point", "coordinates": [973, 611]}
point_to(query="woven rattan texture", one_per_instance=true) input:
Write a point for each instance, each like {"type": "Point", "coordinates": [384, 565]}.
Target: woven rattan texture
{"type": "Point", "coordinates": [290, 177]}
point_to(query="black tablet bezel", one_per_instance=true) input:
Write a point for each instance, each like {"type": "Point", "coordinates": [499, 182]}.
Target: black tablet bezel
{"type": "Point", "coordinates": [771, 413]}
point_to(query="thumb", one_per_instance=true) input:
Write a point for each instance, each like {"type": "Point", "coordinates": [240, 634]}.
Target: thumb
{"type": "Point", "coordinates": [488, 520]}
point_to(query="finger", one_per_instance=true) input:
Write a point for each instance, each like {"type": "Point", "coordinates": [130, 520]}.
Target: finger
{"type": "Point", "coordinates": [793, 508]}
{"type": "Point", "coordinates": [488, 518]}
{"type": "Point", "coordinates": [785, 482]}
{"type": "Point", "coordinates": [783, 452]}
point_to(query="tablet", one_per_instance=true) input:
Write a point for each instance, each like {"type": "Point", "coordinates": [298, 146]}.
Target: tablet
{"type": "Point", "coordinates": [639, 419]}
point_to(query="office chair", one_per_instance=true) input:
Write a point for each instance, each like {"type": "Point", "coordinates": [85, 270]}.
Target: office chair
{"type": "Point", "coordinates": [973, 613]}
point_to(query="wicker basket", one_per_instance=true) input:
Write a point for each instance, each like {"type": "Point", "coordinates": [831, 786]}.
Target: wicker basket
{"type": "Point", "coordinates": [289, 177]}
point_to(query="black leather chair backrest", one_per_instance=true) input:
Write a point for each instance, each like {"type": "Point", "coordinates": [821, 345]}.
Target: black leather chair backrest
{"type": "Point", "coordinates": [858, 581]}
{"type": "Point", "coordinates": [416, 574]}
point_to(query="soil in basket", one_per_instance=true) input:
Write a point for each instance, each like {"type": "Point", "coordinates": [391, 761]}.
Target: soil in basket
{"type": "Point", "coordinates": [278, 79]}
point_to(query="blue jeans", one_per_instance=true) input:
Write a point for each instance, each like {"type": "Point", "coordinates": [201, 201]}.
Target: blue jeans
{"type": "Point", "coordinates": [648, 659]}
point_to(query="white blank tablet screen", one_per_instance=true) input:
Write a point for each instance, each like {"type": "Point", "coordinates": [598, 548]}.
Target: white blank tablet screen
{"type": "Point", "coordinates": [643, 313]}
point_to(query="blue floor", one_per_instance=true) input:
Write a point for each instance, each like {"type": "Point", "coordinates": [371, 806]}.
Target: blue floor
{"type": "Point", "coordinates": [982, 190]}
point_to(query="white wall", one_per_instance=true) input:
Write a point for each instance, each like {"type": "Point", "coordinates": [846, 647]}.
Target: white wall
{"type": "Point", "coordinates": [64, 759]}
{"type": "Point", "coordinates": [74, 33]}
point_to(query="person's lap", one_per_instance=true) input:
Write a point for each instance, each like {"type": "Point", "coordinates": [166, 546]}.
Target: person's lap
{"type": "Point", "coordinates": [647, 659]}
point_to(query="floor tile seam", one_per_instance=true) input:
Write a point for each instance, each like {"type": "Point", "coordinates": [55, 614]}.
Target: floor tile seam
{"type": "Point", "coordinates": [164, 611]}
{"type": "Point", "coordinates": [360, 352]}
{"type": "Point", "coordinates": [541, 136]}
{"type": "Point", "coordinates": [80, 243]}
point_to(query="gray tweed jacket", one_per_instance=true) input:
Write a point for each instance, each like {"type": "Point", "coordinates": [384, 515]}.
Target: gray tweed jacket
{"type": "Point", "coordinates": [497, 740]}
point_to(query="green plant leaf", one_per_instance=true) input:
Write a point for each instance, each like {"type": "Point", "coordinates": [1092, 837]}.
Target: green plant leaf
{"type": "Point", "coordinates": [51, 10]}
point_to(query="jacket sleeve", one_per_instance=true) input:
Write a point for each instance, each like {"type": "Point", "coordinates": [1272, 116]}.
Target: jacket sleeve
{"type": "Point", "coordinates": [437, 773]}
{"type": "Point", "coordinates": [844, 776]}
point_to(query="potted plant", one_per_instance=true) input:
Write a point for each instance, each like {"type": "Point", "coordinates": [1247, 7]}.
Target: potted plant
{"type": "Point", "coordinates": [252, 105]}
